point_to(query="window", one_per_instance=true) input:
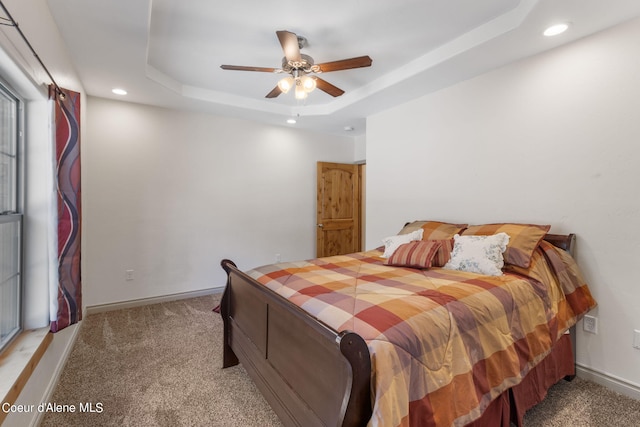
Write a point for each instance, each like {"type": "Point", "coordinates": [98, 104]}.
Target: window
{"type": "Point", "coordinates": [10, 217]}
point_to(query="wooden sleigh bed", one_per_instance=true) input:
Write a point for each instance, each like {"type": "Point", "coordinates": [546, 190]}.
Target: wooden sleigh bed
{"type": "Point", "coordinates": [314, 375]}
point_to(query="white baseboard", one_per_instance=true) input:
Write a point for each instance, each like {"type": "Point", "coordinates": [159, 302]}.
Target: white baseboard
{"type": "Point", "coordinates": [151, 300]}
{"type": "Point", "coordinates": [612, 382]}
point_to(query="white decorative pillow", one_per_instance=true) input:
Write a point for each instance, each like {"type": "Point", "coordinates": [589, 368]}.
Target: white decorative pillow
{"type": "Point", "coordinates": [393, 242]}
{"type": "Point", "coordinates": [478, 254]}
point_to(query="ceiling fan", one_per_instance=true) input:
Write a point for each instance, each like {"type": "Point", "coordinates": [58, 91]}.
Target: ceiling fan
{"type": "Point", "coordinates": [299, 66]}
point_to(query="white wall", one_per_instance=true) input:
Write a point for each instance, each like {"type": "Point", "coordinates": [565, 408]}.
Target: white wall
{"type": "Point", "coordinates": [552, 139]}
{"type": "Point", "coordinates": [360, 149]}
{"type": "Point", "coordinates": [169, 194]}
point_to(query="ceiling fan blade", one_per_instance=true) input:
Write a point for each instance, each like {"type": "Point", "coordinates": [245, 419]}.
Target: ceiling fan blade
{"type": "Point", "coordinates": [274, 93]}
{"type": "Point", "coordinates": [325, 86]}
{"type": "Point", "coordinates": [346, 64]}
{"type": "Point", "coordinates": [289, 43]}
{"type": "Point", "coordinates": [243, 68]}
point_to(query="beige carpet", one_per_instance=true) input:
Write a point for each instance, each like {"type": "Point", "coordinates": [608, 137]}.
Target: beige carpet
{"type": "Point", "coordinates": [159, 365]}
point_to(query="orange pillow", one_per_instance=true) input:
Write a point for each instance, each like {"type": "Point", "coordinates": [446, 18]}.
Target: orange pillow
{"type": "Point", "coordinates": [434, 230]}
{"type": "Point", "coordinates": [523, 239]}
{"type": "Point", "coordinates": [416, 254]}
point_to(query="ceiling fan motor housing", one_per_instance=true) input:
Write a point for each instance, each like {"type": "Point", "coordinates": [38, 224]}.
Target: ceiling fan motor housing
{"type": "Point", "coordinates": [305, 64]}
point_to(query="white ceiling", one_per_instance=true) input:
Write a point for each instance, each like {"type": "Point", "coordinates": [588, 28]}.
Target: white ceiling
{"type": "Point", "coordinates": [168, 52]}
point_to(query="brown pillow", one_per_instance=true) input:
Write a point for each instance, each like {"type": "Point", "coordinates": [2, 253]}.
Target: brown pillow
{"type": "Point", "coordinates": [434, 230]}
{"type": "Point", "coordinates": [523, 239]}
{"type": "Point", "coordinates": [416, 254]}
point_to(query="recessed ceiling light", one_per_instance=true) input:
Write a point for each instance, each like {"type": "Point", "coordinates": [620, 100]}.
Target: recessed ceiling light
{"type": "Point", "coordinates": [118, 91]}
{"type": "Point", "coordinates": [556, 29]}
{"type": "Point", "coordinates": [291, 121]}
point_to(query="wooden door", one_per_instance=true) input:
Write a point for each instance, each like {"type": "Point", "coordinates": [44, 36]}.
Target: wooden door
{"type": "Point", "coordinates": [338, 209]}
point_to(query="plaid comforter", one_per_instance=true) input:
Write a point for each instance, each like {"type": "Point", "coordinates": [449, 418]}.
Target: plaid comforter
{"type": "Point", "coordinates": [443, 343]}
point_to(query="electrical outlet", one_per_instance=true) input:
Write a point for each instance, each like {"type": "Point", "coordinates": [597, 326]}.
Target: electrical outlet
{"type": "Point", "coordinates": [278, 258]}
{"type": "Point", "coordinates": [636, 339]}
{"type": "Point", "coordinates": [128, 275]}
{"type": "Point", "coordinates": [590, 324]}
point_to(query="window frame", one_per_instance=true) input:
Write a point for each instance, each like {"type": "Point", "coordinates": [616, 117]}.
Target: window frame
{"type": "Point", "coordinates": [17, 213]}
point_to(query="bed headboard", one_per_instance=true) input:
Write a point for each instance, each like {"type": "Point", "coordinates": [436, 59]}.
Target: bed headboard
{"type": "Point", "coordinates": [562, 241]}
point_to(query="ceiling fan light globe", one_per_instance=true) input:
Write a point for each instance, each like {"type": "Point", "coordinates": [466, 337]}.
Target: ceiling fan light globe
{"type": "Point", "coordinates": [286, 84]}
{"type": "Point", "coordinates": [300, 92]}
{"type": "Point", "coordinates": [308, 83]}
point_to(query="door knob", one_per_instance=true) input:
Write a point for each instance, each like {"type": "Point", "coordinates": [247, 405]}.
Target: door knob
{"type": "Point", "coordinates": [319, 225]}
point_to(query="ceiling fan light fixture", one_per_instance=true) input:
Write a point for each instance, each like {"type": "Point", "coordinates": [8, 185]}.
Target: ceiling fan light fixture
{"type": "Point", "coordinates": [300, 92]}
{"type": "Point", "coordinates": [308, 83]}
{"type": "Point", "coordinates": [286, 84]}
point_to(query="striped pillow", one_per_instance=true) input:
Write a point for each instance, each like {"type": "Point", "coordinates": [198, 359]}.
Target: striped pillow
{"type": "Point", "coordinates": [416, 254]}
{"type": "Point", "coordinates": [443, 254]}
{"type": "Point", "coordinates": [523, 239]}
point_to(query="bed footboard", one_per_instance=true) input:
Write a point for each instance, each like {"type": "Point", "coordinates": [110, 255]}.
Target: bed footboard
{"type": "Point", "coordinates": [309, 374]}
